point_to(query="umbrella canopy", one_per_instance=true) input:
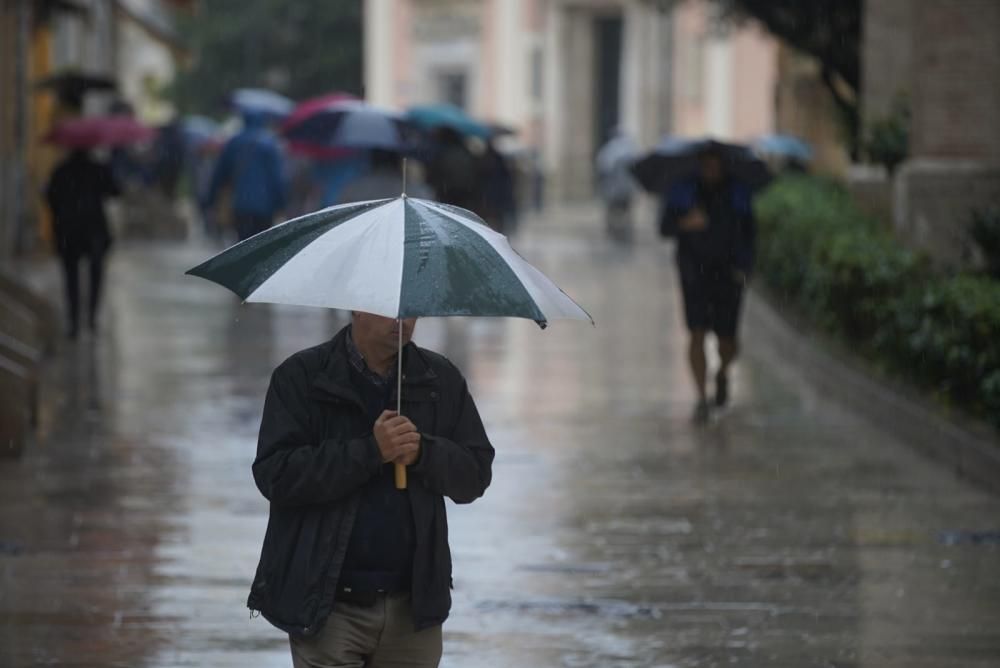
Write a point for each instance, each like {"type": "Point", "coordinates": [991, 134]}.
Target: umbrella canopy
{"type": "Point", "coordinates": [71, 86]}
{"type": "Point", "coordinates": [307, 108]}
{"type": "Point", "coordinates": [399, 258]}
{"type": "Point", "coordinates": [200, 130]}
{"type": "Point", "coordinates": [94, 131]}
{"type": "Point", "coordinates": [677, 158]}
{"type": "Point", "coordinates": [261, 101]}
{"type": "Point", "coordinates": [432, 116]}
{"type": "Point", "coordinates": [501, 130]}
{"type": "Point", "coordinates": [346, 124]}
{"type": "Point", "coordinates": [784, 145]}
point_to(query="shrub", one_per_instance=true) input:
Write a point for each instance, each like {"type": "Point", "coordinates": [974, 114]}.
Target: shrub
{"type": "Point", "coordinates": [888, 140]}
{"type": "Point", "coordinates": [846, 272]}
{"type": "Point", "coordinates": [985, 231]}
{"type": "Point", "coordinates": [950, 340]}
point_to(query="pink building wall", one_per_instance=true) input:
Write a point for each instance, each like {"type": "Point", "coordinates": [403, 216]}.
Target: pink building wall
{"type": "Point", "coordinates": [755, 74]}
{"type": "Point", "coordinates": [752, 75]}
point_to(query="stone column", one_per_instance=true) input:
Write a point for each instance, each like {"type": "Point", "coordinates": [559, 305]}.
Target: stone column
{"type": "Point", "coordinates": [632, 88]}
{"type": "Point", "coordinates": [510, 63]}
{"type": "Point", "coordinates": [569, 114]}
{"type": "Point", "coordinates": [576, 120]}
{"type": "Point", "coordinates": [719, 87]}
{"type": "Point", "coordinates": [378, 26]}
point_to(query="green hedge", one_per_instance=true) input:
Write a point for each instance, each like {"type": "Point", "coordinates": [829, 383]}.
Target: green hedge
{"type": "Point", "coordinates": [847, 273]}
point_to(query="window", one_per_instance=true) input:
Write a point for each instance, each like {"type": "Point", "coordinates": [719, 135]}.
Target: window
{"type": "Point", "coordinates": [452, 88]}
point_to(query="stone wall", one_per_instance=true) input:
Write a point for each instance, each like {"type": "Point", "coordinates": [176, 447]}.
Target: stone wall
{"type": "Point", "coordinates": [934, 200]}
{"type": "Point", "coordinates": [956, 97]}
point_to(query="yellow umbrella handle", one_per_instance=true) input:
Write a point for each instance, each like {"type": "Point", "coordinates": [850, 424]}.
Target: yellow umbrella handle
{"type": "Point", "coordinates": [400, 476]}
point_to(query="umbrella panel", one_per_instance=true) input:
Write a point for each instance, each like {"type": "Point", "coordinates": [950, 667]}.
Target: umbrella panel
{"type": "Point", "coordinates": [96, 131]}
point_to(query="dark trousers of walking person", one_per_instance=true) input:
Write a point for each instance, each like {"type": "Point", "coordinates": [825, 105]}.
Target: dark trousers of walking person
{"type": "Point", "coordinates": [378, 634]}
{"type": "Point", "coordinates": [713, 296]}
{"type": "Point", "coordinates": [71, 272]}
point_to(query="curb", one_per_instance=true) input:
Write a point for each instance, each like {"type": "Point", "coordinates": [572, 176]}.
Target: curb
{"type": "Point", "coordinates": [973, 453]}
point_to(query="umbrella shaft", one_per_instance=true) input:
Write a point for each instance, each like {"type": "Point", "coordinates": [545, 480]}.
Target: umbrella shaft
{"type": "Point", "coordinates": [400, 469]}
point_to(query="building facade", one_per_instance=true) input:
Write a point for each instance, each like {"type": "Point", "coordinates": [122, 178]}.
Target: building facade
{"type": "Point", "coordinates": [564, 73]}
{"type": "Point", "coordinates": [128, 41]}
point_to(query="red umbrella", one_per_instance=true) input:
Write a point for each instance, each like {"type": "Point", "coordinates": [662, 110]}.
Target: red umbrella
{"type": "Point", "coordinates": [306, 110]}
{"type": "Point", "coordinates": [95, 131]}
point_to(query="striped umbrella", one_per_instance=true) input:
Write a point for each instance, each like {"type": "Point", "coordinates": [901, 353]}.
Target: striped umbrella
{"type": "Point", "coordinates": [399, 258]}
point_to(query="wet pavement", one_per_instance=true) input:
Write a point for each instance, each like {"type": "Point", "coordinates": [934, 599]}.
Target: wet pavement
{"type": "Point", "coordinates": [789, 532]}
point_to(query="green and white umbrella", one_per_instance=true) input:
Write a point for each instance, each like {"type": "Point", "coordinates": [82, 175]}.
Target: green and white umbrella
{"type": "Point", "coordinates": [399, 258]}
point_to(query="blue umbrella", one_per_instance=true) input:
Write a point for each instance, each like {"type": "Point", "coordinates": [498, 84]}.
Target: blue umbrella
{"type": "Point", "coordinates": [784, 145]}
{"type": "Point", "coordinates": [261, 101]}
{"type": "Point", "coordinates": [430, 116]}
{"type": "Point", "coordinates": [199, 130]}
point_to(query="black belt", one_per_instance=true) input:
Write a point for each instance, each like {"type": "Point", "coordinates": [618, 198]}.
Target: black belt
{"type": "Point", "coordinates": [364, 598]}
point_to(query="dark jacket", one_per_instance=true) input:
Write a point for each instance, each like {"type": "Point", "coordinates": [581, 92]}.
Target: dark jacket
{"type": "Point", "coordinates": [730, 238]}
{"type": "Point", "coordinates": [76, 193]}
{"type": "Point", "coordinates": [315, 453]}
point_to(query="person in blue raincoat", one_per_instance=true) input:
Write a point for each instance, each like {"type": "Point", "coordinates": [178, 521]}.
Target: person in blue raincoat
{"type": "Point", "coordinates": [252, 165]}
{"type": "Point", "coordinates": [712, 219]}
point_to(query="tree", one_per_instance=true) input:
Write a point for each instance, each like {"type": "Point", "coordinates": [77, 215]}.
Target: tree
{"type": "Point", "coordinates": [828, 30]}
{"type": "Point", "coordinates": [300, 49]}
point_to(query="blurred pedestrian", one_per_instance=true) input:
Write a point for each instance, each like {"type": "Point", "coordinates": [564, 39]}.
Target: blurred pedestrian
{"type": "Point", "coordinates": [168, 158]}
{"type": "Point", "coordinates": [382, 180]}
{"type": "Point", "coordinates": [330, 177]}
{"type": "Point", "coordinates": [76, 194]}
{"type": "Point", "coordinates": [453, 171]}
{"type": "Point", "coordinates": [356, 571]}
{"type": "Point", "coordinates": [615, 182]}
{"type": "Point", "coordinates": [712, 219]}
{"type": "Point", "coordinates": [499, 205]}
{"type": "Point", "coordinates": [201, 158]}
{"type": "Point", "coordinates": [252, 166]}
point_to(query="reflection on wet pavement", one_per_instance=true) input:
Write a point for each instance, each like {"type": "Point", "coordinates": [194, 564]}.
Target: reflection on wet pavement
{"type": "Point", "coordinates": [787, 533]}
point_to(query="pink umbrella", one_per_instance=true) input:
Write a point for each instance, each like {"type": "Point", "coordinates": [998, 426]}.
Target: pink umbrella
{"type": "Point", "coordinates": [95, 131]}
{"type": "Point", "coordinates": [307, 109]}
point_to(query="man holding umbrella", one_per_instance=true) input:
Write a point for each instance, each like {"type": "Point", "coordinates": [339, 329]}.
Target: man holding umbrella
{"type": "Point", "coordinates": [712, 219]}
{"type": "Point", "coordinates": [357, 571]}
{"type": "Point", "coordinates": [356, 565]}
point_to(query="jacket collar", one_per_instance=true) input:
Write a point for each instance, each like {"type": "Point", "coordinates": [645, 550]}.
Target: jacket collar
{"type": "Point", "coordinates": [334, 378]}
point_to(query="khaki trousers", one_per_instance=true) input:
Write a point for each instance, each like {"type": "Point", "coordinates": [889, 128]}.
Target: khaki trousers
{"type": "Point", "coordinates": [380, 636]}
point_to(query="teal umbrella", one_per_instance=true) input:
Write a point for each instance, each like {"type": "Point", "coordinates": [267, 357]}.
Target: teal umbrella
{"type": "Point", "coordinates": [430, 116]}
{"type": "Point", "coordinates": [399, 258]}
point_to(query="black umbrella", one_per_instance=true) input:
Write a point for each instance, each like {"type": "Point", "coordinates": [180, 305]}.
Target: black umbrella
{"type": "Point", "coordinates": [675, 158]}
{"type": "Point", "coordinates": [70, 87]}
